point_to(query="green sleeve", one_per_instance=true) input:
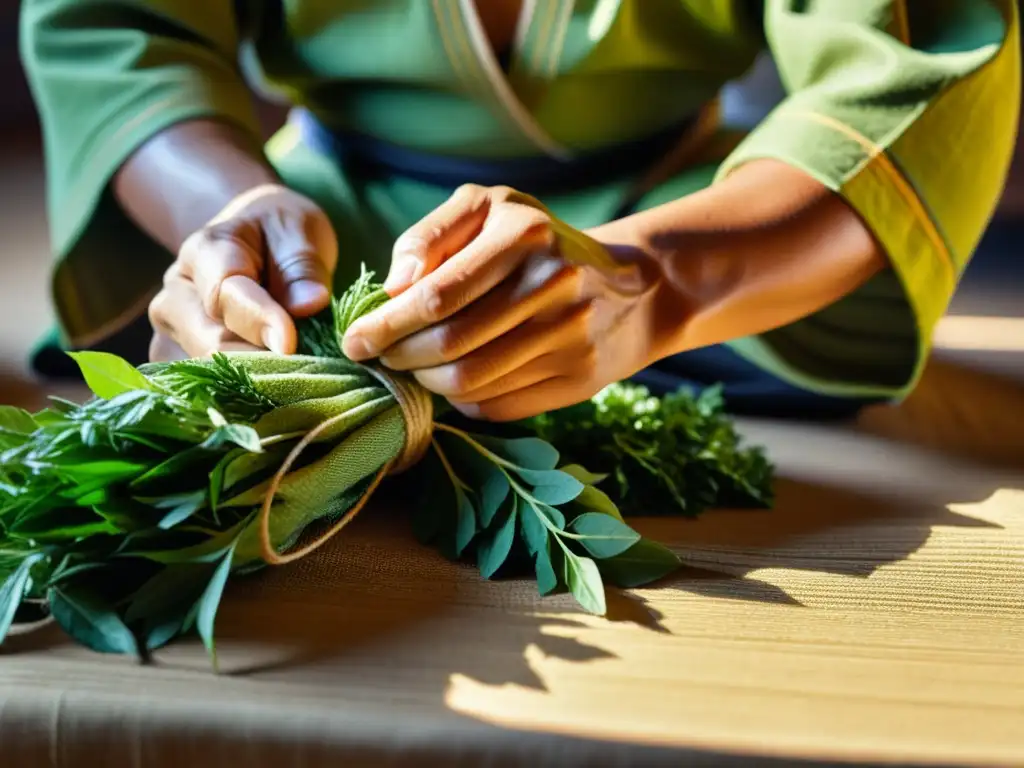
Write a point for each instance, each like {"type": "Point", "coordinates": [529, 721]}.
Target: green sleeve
{"type": "Point", "coordinates": [106, 77]}
{"type": "Point", "coordinates": [907, 109]}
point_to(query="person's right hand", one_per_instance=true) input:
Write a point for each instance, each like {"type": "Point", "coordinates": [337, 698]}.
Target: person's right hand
{"type": "Point", "coordinates": [236, 284]}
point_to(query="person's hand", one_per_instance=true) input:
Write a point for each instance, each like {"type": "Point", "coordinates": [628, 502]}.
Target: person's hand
{"type": "Point", "coordinates": [507, 311]}
{"type": "Point", "coordinates": [236, 284]}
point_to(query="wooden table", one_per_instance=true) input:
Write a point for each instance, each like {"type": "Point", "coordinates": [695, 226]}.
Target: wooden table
{"type": "Point", "coordinates": [876, 615]}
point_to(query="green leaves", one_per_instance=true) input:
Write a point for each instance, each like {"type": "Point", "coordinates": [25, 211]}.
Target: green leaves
{"type": "Point", "coordinates": [590, 497]}
{"type": "Point", "coordinates": [552, 486]}
{"type": "Point", "coordinates": [167, 596]}
{"type": "Point", "coordinates": [12, 590]}
{"type": "Point", "coordinates": [154, 545]}
{"type": "Point", "coordinates": [15, 426]}
{"type": "Point", "coordinates": [495, 549]}
{"type": "Point", "coordinates": [89, 620]}
{"type": "Point", "coordinates": [544, 567]}
{"type": "Point", "coordinates": [179, 508]}
{"type": "Point", "coordinates": [679, 453]}
{"type": "Point", "coordinates": [643, 563]}
{"type": "Point", "coordinates": [220, 383]}
{"type": "Point", "coordinates": [509, 490]}
{"type": "Point", "coordinates": [525, 452]}
{"type": "Point", "coordinates": [493, 491]}
{"type": "Point", "coordinates": [584, 581]}
{"type": "Point", "coordinates": [210, 602]}
{"type": "Point", "coordinates": [602, 535]}
{"type": "Point", "coordinates": [234, 434]}
{"type": "Point", "coordinates": [115, 487]}
{"type": "Point", "coordinates": [108, 375]}
{"type": "Point", "coordinates": [535, 532]}
{"type": "Point", "coordinates": [361, 298]}
{"type": "Point", "coordinates": [59, 523]}
{"type": "Point", "coordinates": [583, 475]}
{"type": "Point", "coordinates": [467, 521]}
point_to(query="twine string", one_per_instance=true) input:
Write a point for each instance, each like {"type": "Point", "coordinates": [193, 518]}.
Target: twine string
{"type": "Point", "coordinates": [417, 407]}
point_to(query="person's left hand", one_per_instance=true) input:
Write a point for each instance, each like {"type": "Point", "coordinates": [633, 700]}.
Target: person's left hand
{"type": "Point", "coordinates": [507, 311]}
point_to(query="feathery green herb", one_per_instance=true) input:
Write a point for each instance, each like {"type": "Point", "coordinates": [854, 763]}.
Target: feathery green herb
{"type": "Point", "coordinates": [674, 454]}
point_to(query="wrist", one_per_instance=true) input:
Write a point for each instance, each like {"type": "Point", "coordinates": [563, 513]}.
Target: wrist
{"type": "Point", "coordinates": [183, 177]}
{"type": "Point", "coordinates": [662, 311]}
{"type": "Point", "coordinates": [763, 248]}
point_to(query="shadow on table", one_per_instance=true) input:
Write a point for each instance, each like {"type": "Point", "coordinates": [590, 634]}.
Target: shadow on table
{"type": "Point", "coordinates": [376, 597]}
{"type": "Point", "coordinates": [376, 604]}
{"type": "Point", "coordinates": [839, 510]}
{"type": "Point", "coordinates": [814, 527]}
{"type": "Point", "coordinates": [960, 411]}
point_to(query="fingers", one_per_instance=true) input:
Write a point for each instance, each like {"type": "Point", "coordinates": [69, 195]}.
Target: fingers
{"type": "Point", "coordinates": [162, 349]}
{"type": "Point", "coordinates": [216, 253]}
{"type": "Point", "coordinates": [177, 312]}
{"type": "Point", "coordinates": [251, 313]}
{"type": "Point", "coordinates": [447, 230]}
{"type": "Point", "coordinates": [548, 395]}
{"type": "Point", "coordinates": [236, 284]}
{"type": "Point", "coordinates": [222, 269]}
{"type": "Point", "coordinates": [511, 234]}
{"type": "Point", "coordinates": [302, 257]}
{"type": "Point", "coordinates": [541, 368]}
{"type": "Point", "coordinates": [291, 244]}
{"type": "Point", "coordinates": [502, 358]}
{"type": "Point", "coordinates": [439, 235]}
{"type": "Point", "coordinates": [538, 370]}
{"type": "Point", "coordinates": [542, 288]}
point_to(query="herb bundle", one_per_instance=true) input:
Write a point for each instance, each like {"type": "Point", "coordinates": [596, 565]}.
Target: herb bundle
{"type": "Point", "coordinates": [123, 518]}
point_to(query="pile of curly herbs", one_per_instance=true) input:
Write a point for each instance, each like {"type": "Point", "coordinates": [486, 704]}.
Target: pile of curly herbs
{"type": "Point", "coordinates": [114, 519]}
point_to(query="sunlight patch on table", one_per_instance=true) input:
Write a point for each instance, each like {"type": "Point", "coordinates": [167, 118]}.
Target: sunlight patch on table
{"type": "Point", "coordinates": [980, 334]}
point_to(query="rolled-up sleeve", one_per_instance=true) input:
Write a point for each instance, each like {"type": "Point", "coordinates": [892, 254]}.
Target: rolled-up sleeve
{"type": "Point", "coordinates": [908, 109]}
{"type": "Point", "coordinates": [106, 77]}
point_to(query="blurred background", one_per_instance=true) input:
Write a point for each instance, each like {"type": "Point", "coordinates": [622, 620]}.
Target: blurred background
{"type": "Point", "coordinates": [986, 322]}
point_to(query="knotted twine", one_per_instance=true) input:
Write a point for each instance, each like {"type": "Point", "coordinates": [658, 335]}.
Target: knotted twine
{"type": "Point", "coordinates": [417, 407]}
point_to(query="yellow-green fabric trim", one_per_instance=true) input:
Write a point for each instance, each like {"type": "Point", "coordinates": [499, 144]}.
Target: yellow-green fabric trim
{"type": "Point", "coordinates": [926, 206]}
{"type": "Point", "coordinates": [976, 116]}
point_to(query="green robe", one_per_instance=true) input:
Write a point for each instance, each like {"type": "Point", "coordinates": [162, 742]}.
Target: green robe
{"type": "Point", "coordinates": [906, 108]}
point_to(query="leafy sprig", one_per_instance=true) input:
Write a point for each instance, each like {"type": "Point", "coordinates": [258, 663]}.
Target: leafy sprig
{"type": "Point", "coordinates": [92, 495]}
{"type": "Point", "coordinates": [321, 335]}
{"type": "Point", "coordinates": [220, 384]}
{"type": "Point", "coordinates": [509, 499]}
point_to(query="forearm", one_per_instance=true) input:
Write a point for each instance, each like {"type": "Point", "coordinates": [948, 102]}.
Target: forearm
{"type": "Point", "coordinates": [763, 248]}
{"type": "Point", "coordinates": [184, 176]}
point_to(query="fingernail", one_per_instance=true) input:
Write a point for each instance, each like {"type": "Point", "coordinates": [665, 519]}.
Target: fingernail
{"type": "Point", "coordinates": [358, 348]}
{"type": "Point", "coordinates": [307, 295]}
{"type": "Point", "coordinates": [404, 273]}
{"type": "Point", "coordinates": [273, 339]}
{"type": "Point", "coordinates": [469, 410]}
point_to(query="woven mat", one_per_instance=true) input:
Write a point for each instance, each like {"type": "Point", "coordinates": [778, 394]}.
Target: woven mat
{"type": "Point", "coordinates": [876, 615]}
